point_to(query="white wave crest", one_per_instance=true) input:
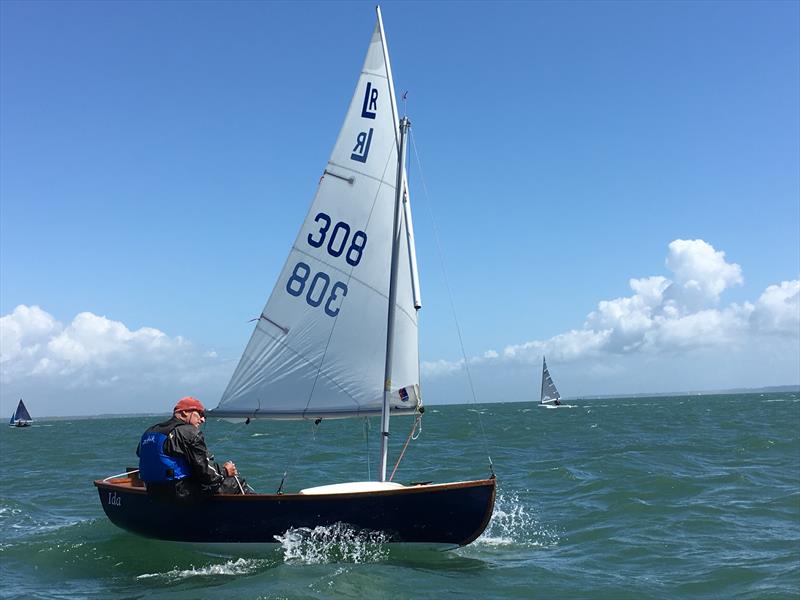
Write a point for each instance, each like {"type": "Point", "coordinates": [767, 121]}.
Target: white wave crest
{"type": "Point", "coordinates": [512, 524]}
{"type": "Point", "coordinates": [240, 566]}
{"type": "Point", "coordinates": [333, 544]}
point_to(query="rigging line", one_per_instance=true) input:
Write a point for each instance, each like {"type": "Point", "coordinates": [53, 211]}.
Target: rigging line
{"type": "Point", "coordinates": [450, 297]}
{"type": "Point", "coordinates": [366, 440]}
{"type": "Point", "coordinates": [228, 437]}
{"type": "Point", "coordinates": [417, 421]}
{"type": "Point", "coordinates": [296, 454]}
{"type": "Point", "coordinates": [231, 433]}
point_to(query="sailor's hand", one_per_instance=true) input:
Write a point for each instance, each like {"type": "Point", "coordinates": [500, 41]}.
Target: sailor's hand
{"type": "Point", "coordinates": [230, 469]}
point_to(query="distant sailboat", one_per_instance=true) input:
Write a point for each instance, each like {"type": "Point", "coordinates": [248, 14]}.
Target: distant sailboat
{"type": "Point", "coordinates": [549, 395]}
{"type": "Point", "coordinates": [21, 416]}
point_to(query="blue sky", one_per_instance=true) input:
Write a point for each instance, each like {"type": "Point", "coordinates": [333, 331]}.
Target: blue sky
{"type": "Point", "coordinates": [616, 184]}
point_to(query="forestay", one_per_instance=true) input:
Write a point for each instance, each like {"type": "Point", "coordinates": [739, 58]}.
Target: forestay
{"type": "Point", "coordinates": [319, 346]}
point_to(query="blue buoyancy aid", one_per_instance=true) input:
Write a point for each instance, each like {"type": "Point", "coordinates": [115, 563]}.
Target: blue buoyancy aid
{"type": "Point", "coordinates": [154, 465]}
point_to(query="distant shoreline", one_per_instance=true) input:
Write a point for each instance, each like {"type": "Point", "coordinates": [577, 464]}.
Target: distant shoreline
{"type": "Point", "coordinates": [776, 389]}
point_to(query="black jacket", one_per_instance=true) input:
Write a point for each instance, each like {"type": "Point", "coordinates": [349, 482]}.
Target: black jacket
{"type": "Point", "coordinates": [187, 441]}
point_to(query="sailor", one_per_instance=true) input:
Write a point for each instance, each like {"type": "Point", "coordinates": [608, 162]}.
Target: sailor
{"type": "Point", "coordinates": [175, 463]}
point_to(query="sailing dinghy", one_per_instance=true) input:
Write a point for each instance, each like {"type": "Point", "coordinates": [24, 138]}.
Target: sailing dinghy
{"type": "Point", "coordinates": [21, 416]}
{"type": "Point", "coordinates": [549, 396]}
{"type": "Point", "coordinates": [337, 338]}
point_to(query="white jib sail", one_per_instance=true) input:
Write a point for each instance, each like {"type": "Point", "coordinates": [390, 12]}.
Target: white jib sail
{"type": "Point", "coordinates": [549, 392]}
{"type": "Point", "coordinates": [319, 347]}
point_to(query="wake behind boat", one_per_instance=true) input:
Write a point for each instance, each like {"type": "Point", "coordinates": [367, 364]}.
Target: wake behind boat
{"type": "Point", "coordinates": [21, 416]}
{"type": "Point", "coordinates": [338, 338]}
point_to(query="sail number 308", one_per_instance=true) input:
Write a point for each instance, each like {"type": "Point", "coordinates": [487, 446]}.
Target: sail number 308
{"type": "Point", "coordinates": [338, 240]}
{"type": "Point", "coordinates": [319, 288]}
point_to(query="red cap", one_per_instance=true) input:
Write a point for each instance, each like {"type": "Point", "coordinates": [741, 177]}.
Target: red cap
{"type": "Point", "coordinates": [189, 403]}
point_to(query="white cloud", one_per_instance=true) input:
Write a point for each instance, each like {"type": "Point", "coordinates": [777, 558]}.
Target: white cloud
{"type": "Point", "coordinates": [94, 351]}
{"type": "Point", "coordinates": [440, 367]}
{"type": "Point", "coordinates": [626, 320]}
{"type": "Point", "coordinates": [23, 332]}
{"type": "Point", "coordinates": [701, 273]}
{"type": "Point", "coordinates": [666, 315]}
{"type": "Point", "coordinates": [91, 340]}
{"type": "Point", "coordinates": [623, 339]}
{"type": "Point", "coordinates": [778, 309]}
{"type": "Point", "coordinates": [700, 329]}
{"type": "Point", "coordinates": [562, 347]}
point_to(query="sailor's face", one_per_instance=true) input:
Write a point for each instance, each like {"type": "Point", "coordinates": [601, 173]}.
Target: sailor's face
{"type": "Point", "coordinates": [197, 418]}
{"type": "Point", "coordinates": [194, 417]}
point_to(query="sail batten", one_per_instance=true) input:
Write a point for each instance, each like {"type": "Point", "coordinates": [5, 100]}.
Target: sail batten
{"type": "Point", "coordinates": [373, 177]}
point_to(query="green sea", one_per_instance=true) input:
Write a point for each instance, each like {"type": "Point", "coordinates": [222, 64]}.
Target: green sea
{"type": "Point", "coordinates": [668, 497]}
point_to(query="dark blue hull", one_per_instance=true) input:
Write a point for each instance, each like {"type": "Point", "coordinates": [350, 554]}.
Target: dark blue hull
{"type": "Point", "coordinates": [452, 513]}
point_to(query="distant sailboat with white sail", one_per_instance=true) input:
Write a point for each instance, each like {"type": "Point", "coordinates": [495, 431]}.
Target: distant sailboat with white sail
{"type": "Point", "coordinates": [549, 396]}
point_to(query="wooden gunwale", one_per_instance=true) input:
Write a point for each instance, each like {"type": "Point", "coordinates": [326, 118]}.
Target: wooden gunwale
{"type": "Point", "coordinates": [126, 484]}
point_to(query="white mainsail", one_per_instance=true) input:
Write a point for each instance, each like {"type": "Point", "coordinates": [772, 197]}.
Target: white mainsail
{"type": "Point", "coordinates": [549, 394]}
{"type": "Point", "coordinates": [319, 346]}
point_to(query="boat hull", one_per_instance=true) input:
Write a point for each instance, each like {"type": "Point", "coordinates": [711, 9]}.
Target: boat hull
{"type": "Point", "coordinates": [451, 513]}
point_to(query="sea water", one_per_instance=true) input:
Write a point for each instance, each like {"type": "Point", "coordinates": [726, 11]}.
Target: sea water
{"type": "Point", "coordinates": [669, 497]}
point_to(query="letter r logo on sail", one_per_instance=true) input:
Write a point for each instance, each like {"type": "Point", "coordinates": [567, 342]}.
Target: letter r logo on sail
{"type": "Point", "coordinates": [361, 149]}
{"type": "Point", "coordinates": [370, 102]}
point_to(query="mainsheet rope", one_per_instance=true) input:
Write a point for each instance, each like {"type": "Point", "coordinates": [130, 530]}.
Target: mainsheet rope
{"type": "Point", "coordinates": [294, 454]}
{"type": "Point", "coordinates": [227, 437]}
